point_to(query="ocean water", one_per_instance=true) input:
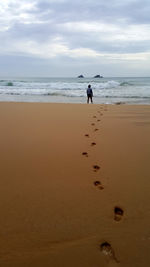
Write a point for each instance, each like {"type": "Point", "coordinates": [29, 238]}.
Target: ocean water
{"type": "Point", "coordinates": [73, 90]}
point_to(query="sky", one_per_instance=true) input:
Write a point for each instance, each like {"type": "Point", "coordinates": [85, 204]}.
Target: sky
{"type": "Point", "coordinates": [66, 38]}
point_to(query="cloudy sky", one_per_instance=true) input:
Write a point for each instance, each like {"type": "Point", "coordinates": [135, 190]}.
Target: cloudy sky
{"type": "Point", "coordinates": [72, 37]}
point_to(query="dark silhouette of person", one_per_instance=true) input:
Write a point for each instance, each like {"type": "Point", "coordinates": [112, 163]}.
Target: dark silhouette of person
{"type": "Point", "coordinates": [89, 94]}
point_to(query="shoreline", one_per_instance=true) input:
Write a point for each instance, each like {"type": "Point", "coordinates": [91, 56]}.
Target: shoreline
{"type": "Point", "coordinates": [64, 101]}
{"type": "Point", "coordinates": [74, 185]}
{"type": "Point", "coordinates": [77, 103]}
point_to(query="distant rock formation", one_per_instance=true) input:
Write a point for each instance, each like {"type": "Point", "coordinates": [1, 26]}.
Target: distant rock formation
{"type": "Point", "coordinates": [98, 76]}
{"type": "Point", "coordinates": [81, 76]}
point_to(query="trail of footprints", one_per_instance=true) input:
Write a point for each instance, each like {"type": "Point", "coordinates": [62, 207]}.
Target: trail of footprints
{"type": "Point", "coordinates": [105, 247]}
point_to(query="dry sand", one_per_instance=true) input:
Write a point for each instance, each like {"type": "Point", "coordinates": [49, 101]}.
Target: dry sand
{"type": "Point", "coordinates": [73, 200]}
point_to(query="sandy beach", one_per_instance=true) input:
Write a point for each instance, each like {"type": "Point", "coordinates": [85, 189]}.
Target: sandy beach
{"type": "Point", "coordinates": [74, 186]}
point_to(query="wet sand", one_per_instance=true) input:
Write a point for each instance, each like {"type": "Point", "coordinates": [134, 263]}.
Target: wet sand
{"type": "Point", "coordinates": [74, 185]}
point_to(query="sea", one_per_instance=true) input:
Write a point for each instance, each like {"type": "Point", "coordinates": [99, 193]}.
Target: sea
{"type": "Point", "coordinates": [110, 90]}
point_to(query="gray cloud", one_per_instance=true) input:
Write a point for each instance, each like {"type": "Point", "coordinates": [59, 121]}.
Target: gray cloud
{"type": "Point", "coordinates": [68, 34]}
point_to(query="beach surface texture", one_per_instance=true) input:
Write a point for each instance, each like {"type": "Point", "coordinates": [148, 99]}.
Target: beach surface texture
{"type": "Point", "coordinates": [74, 185]}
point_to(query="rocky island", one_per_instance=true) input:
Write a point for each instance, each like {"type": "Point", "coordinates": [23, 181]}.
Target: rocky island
{"type": "Point", "coordinates": [98, 76]}
{"type": "Point", "coordinates": [81, 76]}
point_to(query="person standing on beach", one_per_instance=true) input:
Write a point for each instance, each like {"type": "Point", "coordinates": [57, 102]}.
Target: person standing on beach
{"type": "Point", "coordinates": [89, 94]}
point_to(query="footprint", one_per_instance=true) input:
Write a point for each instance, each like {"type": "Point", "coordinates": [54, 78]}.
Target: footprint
{"type": "Point", "coordinates": [96, 183]}
{"type": "Point", "coordinates": [92, 124]}
{"type": "Point", "coordinates": [107, 250]}
{"type": "Point", "coordinates": [87, 135]}
{"type": "Point", "coordinates": [99, 185]}
{"type": "Point", "coordinates": [95, 130]}
{"type": "Point", "coordinates": [96, 168]}
{"type": "Point", "coordinates": [93, 144]}
{"type": "Point", "coordinates": [98, 120]}
{"type": "Point", "coordinates": [94, 116]}
{"type": "Point", "coordinates": [85, 154]}
{"type": "Point", "coordinates": [118, 213]}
